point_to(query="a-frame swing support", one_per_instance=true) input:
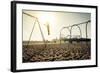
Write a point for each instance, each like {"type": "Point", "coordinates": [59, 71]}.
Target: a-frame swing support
{"type": "Point", "coordinates": [36, 20]}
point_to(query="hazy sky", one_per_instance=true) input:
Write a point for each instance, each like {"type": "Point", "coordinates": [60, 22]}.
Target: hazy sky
{"type": "Point", "coordinates": [56, 21]}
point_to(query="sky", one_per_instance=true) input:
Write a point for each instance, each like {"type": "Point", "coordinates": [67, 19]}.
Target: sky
{"type": "Point", "coordinates": [56, 21]}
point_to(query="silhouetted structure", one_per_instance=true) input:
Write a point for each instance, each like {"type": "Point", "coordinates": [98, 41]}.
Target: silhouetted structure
{"type": "Point", "coordinates": [70, 30]}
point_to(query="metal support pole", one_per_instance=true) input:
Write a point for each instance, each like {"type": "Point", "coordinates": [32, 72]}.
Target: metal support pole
{"type": "Point", "coordinates": [31, 34]}
{"type": "Point", "coordinates": [41, 33]}
{"type": "Point", "coordinates": [36, 20]}
{"type": "Point", "coordinates": [86, 30]}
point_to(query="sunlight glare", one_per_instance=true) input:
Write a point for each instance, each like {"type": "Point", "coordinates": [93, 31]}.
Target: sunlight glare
{"type": "Point", "coordinates": [47, 20]}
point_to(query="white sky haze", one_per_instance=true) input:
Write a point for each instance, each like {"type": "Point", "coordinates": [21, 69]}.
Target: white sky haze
{"type": "Point", "coordinates": [56, 21]}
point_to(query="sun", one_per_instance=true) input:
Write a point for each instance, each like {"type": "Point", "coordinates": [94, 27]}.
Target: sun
{"type": "Point", "coordinates": [47, 20]}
